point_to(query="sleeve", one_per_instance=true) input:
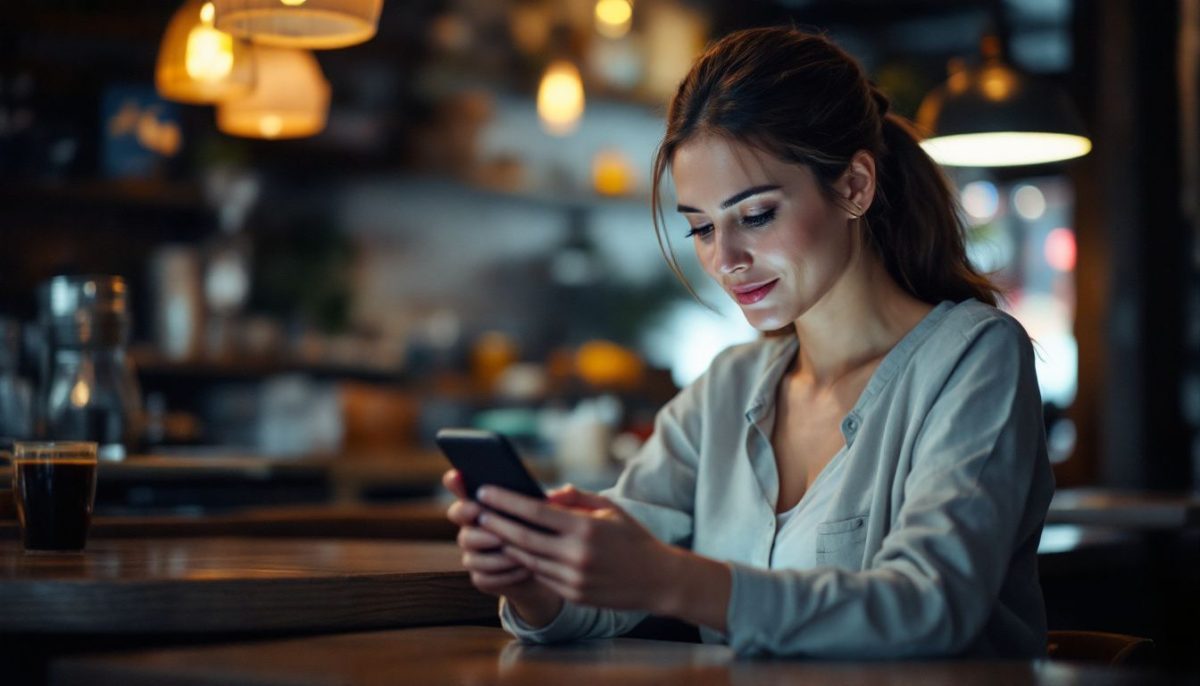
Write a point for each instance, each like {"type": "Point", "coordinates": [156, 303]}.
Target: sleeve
{"type": "Point", "coordinates": [931, 587]}
{"type": "Point", "coordinates": [658, 489]}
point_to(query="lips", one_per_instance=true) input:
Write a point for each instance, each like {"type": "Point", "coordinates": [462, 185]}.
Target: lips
{"type": "Point", "coordinates": [752, 293]}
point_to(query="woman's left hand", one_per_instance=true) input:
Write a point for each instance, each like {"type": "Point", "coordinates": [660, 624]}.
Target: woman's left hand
{"type": "Point", "coordinates": [594, 554]}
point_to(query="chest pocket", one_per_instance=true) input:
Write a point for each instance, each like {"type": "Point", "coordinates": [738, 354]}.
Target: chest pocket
{"type": "Point", "coordinates": [840, 543]}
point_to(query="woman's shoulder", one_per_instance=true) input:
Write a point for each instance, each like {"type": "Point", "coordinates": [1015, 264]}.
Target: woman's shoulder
{"type": "Point", "coordinates": [973, 319]}
{"type": "Point", "coordinates": [975, 327]}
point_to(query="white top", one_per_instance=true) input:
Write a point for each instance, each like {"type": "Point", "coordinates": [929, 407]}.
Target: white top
{"type": "Point", "coordinates": [796, 530]}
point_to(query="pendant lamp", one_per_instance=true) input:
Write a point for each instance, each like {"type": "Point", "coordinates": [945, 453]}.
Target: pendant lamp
{"type": "Point", "coordinates": [312, 24]}
{"type": "Point", "coordinates": [198, 64]}
{"type": "Point", "coordinates": [290, 98]}
{"type": "Point", "coordinates": [993, 116]}
{"type": "Point", "coordinates": [560, 98]}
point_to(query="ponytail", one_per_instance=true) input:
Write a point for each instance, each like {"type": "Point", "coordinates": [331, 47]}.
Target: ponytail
{"type": "Point", "coordinates": [914, 225]}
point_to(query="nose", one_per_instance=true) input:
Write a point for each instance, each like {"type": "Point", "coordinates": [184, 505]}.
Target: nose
{"type": "Point", "coordinates": [729, 253]}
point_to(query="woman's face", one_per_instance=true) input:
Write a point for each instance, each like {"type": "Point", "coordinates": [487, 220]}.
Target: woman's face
{"type": "Point", "coordinates": [762, 228]}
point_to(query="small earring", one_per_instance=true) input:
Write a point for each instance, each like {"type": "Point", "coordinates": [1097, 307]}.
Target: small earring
{"type": "Point", "coordinates": [858, 210]}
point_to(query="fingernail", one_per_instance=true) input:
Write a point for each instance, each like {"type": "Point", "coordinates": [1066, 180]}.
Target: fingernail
{"type": "Point", "coordinates": [483, 493]}
{"type": "Point", "coordinates": [484, 519]}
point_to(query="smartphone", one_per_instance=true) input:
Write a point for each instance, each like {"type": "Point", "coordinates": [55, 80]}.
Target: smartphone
{"type": "Point", "coordinates": [486, 458]}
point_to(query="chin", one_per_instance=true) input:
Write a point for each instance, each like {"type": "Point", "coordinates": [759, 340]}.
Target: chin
{"type": "Point", "coordinates": [766, 322]}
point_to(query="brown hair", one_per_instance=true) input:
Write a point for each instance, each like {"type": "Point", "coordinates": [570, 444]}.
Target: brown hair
{"type": "Point", "coordinates": [804, 100]}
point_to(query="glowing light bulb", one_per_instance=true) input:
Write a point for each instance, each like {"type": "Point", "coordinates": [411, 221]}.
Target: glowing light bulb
{"type": "Point", "coordinates": [560, 98]}
{"type": "Point", "coordinates": [293, 3]}
{"type": "Point", "coordinates": [197, 62]}
{"type": "Point", "coordinates": [270, 125]}
{"type": "Point", "coordinates": [209, 55]}
{"type": "Point", "coordinates": [81, 393]}
{"type": "Point", "coordinates": [613, 17]}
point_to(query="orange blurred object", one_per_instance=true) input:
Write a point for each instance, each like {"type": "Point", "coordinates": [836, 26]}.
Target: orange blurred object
{"type": "Point", "coordinates": [378, 419]}
{"type": "Point", "coordinates": [493, 352]}
{"type": "Point", "coordinates": [606, 364]}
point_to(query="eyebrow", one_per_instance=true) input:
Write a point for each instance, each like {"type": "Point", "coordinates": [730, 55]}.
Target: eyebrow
{"type": "Point", "coordinates": [732, 200]}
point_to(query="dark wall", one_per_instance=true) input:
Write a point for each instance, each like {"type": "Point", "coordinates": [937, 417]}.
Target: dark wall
{"type": "Point", "coordinates": [1135, 248]}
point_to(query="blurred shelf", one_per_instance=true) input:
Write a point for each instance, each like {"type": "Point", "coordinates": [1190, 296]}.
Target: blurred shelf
{"type": "Point", "coordinates": [1126, 509]}
{"type": "Point", "coordinates": [221, 479]}
{"type": "Point", "coordinates": [565, 198]}
{"type": "Point", "coordinates": [135, 194]}
{"type": "Point", "coordinates": [151, 365]}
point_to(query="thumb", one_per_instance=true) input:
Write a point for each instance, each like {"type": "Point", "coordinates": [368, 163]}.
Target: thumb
{"type": "Point", "coordinates": [569, 496]}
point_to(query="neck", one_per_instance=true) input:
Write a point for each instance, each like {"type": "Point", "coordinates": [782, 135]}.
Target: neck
{"type": "Point", "coordinates": [856, 323]}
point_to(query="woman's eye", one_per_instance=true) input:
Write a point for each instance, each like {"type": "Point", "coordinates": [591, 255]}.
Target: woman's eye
{"type": "Point", "coordinates": [758, 219]}
{"type": "Point", "coordinates": [700, 231]}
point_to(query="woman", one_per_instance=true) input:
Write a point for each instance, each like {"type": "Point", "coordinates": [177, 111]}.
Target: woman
{"type": "Point", "coordinates": [874, 482]}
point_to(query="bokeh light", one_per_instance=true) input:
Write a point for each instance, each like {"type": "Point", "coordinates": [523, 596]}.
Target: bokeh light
{"type": "Point", "coordinates": [1060, 249]}
{"type": "Point", "coordinates": [981, 201]}
{"type": "Point", "coordinates": [1029, 202]}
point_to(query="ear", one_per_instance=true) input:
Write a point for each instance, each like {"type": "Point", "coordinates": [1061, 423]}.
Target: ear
{"type": "Point", "coordinates": [856, 187]}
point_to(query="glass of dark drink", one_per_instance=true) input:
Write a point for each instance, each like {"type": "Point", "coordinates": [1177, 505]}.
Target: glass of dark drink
{"type": "Point", "coordinates": [54, 486]}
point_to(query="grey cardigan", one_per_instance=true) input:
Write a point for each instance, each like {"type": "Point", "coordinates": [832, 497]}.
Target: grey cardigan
{"type": "Point", "coordinates": [930, 546]}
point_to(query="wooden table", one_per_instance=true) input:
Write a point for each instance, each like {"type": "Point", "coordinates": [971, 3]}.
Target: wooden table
{"type": "Point", "coordinates": [204, 586]}
{"type": "Point", "coordinates": [481, 656]}
{"type": "Point", "coordinates": [417, 520]}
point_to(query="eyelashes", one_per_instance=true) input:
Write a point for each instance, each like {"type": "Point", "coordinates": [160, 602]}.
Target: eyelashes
{"type": "Point", "coordinates": [759, 219]}
{"type": "Point", "coordinates": [751, 220]}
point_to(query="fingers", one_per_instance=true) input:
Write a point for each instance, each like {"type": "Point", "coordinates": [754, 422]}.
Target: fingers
{"type": "Point", "coordinates": [464, 512]}
{"type": "Point", "coordinates": [453, 482]}
{"type": "Point", "coordinates": [544, 567]}
{"type": "Point", "coordinates": [529, 509]}
{"type": "Point", "coordinates": [489, 563]}
{"type": "Point", "coordinates": [546, 545]}
{"type": "Point", "coordinates": [566, 495]}
{"type": "Point", "coordinates": [498, 584]}
{"type": "Point", "coordinates": [490, 569]}
{"type": "Point", "coordinates": [472, 538]}
{"type": "Point", "coordinates": [569, 496]}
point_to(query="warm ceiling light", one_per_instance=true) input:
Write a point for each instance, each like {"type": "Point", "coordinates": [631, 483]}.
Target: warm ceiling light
{"type": "Point", "coordinates": [290, 99]}
{"type": "Point", "coordinates": [560, 98]}
{"type": "Point", "coordinates": [199, 64]}
{"type": "Point", "coordinates": [1005, 148]}
{"type": "Point", "coordinates": [312, 24]}
{"type": "Point", "coordinates": [993, 116]}
{"type": "Point", "coordinates": [613, 17]}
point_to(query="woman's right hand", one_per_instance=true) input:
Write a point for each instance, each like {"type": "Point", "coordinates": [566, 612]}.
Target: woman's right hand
{"type": "Point", "coordinates": [491, 570]}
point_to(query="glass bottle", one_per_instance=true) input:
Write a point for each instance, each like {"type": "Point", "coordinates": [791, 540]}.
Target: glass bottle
{"type": "Point", "coordinates": [92, 393]}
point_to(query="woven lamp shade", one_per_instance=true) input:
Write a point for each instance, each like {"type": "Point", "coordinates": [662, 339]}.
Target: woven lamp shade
{"type": "Point", "coordinates": [198, 64]}
{"type": "Point", "coordinates": [290, 98]}
{"type": "Point", "coordinates": [311, 24]}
